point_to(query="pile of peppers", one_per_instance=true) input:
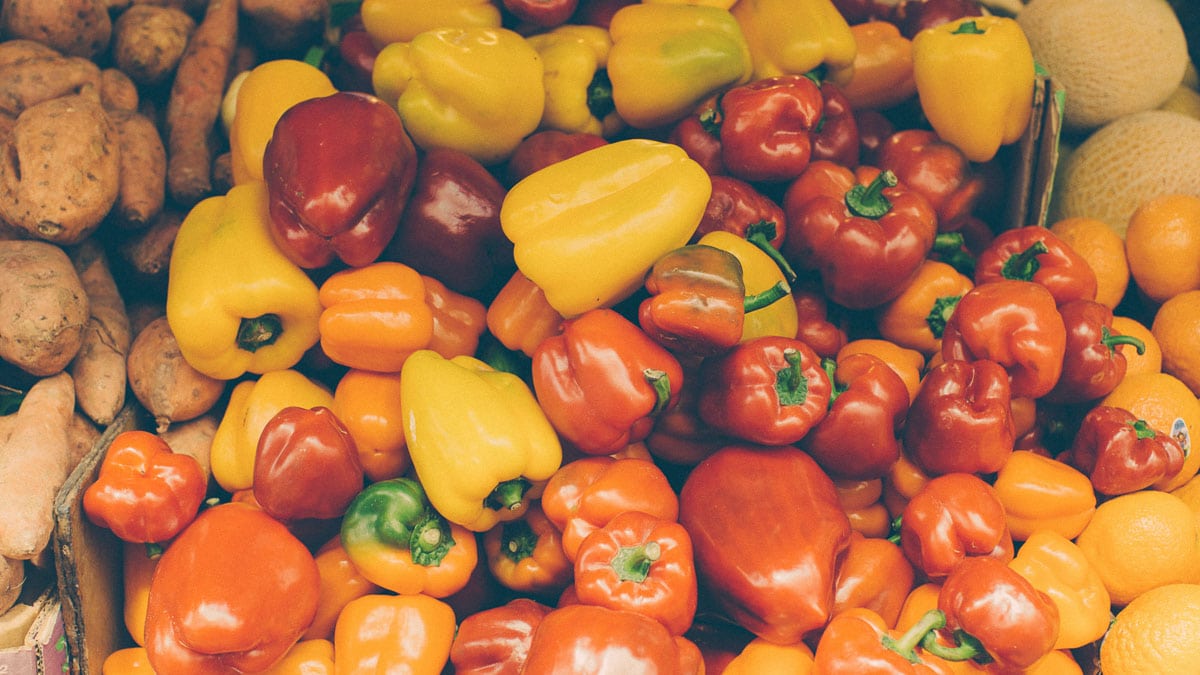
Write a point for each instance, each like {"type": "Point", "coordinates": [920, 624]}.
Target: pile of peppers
{"type": "Point", "coordinates": [601, 336]}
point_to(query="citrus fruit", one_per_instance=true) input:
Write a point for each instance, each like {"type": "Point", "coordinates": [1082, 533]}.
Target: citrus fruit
{"type": "Point", "coordinates": [1162, 244]}
{"type": "Point", "coordinates": [1159, 632]}
{"type": "Point", "coordinates": [1150, 360]}
{"type": "Point", "coordinates": [1168, 406]}
{"type": "Point", "coordinates": [1177, 328]}
{"type": "Point", "coordinates": [1189, 492]}
{"type": "Point", "coordinates": [1103, 250]}
{"type": "Point", "coordinates": [1142, 540]}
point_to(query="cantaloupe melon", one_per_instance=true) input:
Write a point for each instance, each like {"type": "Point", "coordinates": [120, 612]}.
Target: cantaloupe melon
{"type": "Point", "coordinates": [1114, 57]}
{"type": "Point", "coordinates": [1127, 162]}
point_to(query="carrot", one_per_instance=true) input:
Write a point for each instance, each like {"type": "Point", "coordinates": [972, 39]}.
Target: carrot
{"type": "Point", "coordinates": [143, 170]}
{"type": "Point", "coordinates": [99, 365]}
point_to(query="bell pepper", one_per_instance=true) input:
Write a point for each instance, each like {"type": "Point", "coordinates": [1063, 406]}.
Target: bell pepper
{"type": "Point", "coordinates": [903, 481]}
{"type": "Point", "coordinates": [541, 13]}
{"type": "Point", "coordinates": [375, 316]}
{"type": "Point", "coordinates": [954, 517]}
{"type": "Point", "coordinates": [450, 228]}
{"type": "Point", "coordinates": [697, 301]}
{"type": "Point", "coordinates": [680, 437]}
{"type": "Point", "coordinates": [771, 391]}
{"type": "Point", "coordinates": [341, 582]}
{"type": "Point", "coordinates": [1015, 324]}
{"type": "Point", "coordinates": [699, 134]}
{"type": "Point", "coordinates": [399, 542]}
{"type": "Point", "coordinates": [961, 419]}
{"type": "Point", "coordinates": [794, 37]}
{"type": "Point", "coordinates": [917, 317]}
{"type": "Point", "coordinates": [458, 320]}
{"type": "Point", "coordinates": [667, 58]}
{"type": "Point", "coordinates": [619, 207]}
{"type": "Point", "coordinates": [1054, 565]}
{"type": "Point", "coordinates": [862, 502]}
{"type": "Point", "coordinates": [881, 75]}
{"type": "Point", "coordinates": [394, 633]}
{"type": "Point", "coordinates": [1042, 493]}
{"type": "Point", "coordinates": [127, 661]}
{"type": "Point", "coordinates": [859, 641]}
{"type": "Point", "coordinates": [351, 64]}
{"type": "Point", "coordinates": [865, 235]}
{"type": "Point", "coordinates": [479, 442]}
{"type": "Point", "coordinates": [520, 316]}
{"type": "Point", "coordinates": [762, 274]}
{"type": "Point", "coordinates": [137, 570]}
{"type": "Point", "coordinates": [814, 326]}
{"type": "Point", "coordinates": [641, 563]}
{"type": "Point", "coordinates": [1120, 453]}
{"type": "Point", "coordinates": [1092, 364]}
{"type": "Point", "coordinates": [232, 593]}
{"type": "Point", "coordinates": [602, 381]}
{"type": "Point", "coordinates": [915, 18]}
{"type": "Point", "coordinates": [578, 93]}
{"type": "Point", "coordinates": [836, 137]}
{"type": "Point", "coordinates": [1011, 622]}
{"type": "Point", "coordinates": [594, 639]}
{"type": "Point", "coordinates": [586, 493]}
{"type": "Point", "coordinates": [306, 465]}
{"type": "Point", "coordinates": [739, 207]}
{"type": "Point", "coordinates": [368, 403]}
{"type": "Point", "coordinates": [950, 63]}
{"type": "Point", "coordinates": [252, 404]}
{"type": "Point", "coordinates": [496, 640]}
{"type": "Point", "coordinates": [858, 436]}
{"type": "Point", "coordinates": [767, 532]}
{"type": "Point", "coordinates": [389, 21]}
{"type": "Point", "coordinates": [307, 657]}
{"type": "Point", "coordinates": [260, 99]}
{"type": "Point", "coordinates": [472, 88]}
{"type": "Point", "coordinates": [526, 555]}
{"type": "Point", "coordinates": [767, 126]}
{"type": "Point", "coordinates": [909, 364]}
{"type": "Point", "coordinates": [1034, 253]}
{"type": "Point", "coordinates": [761, 656]}
{"type": "Point", "coordinates": [144, 492]}
{"type": "Point", "coordinates": [938, 170]}
{"type": "Point", "coordinates": [235, 303]}
{"type": "Point", "coordinates": [543, 148]}
{"type": "Point", "coordinates": [874, 575]}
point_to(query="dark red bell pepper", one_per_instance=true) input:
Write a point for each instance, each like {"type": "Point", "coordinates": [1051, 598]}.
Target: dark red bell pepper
{"type": "Point", "coordinates": [861, 11]}
{"type": "Point", "coordinates": [339, 170]}
{"type": "Point", "coordinates": [543, 148]}
{"type": "Point", "coordinates": [836, 136]}
{"type": "Point", "coordinates": [934, 168]}
{"type": "Point", "coordinates": [541, 13]}
{"type": "Point", "coordinates": [1036, 254]}
{"type": "Point", "coordinates": [679, 436]}
{"type": "Point", "coordinates": [495, 641]}
{"type": "Point", "coordinates": [699, 134]}
{"type": "Point", "coordinates": [767, 530]}
{"type": "Point", "coordinates": [770, 390]}
{"type": "Point", "coordinates": [950, 519]}
{"type": "Point", "coordinates": [913, 16]}
{"type": "Point", "coordinates": [351, 68]}
{"type": "Point", "coordinates": [767, 127]}
{"type": "Point", "coordinates": [1121, 453]}
{"type": "Point", "coordinates": [814, 326]}
{"type": "Point", "coordinates": [579, 638]}
{"type": "Point", "coordinates": [735, 205]}
{"type": "Point", "coordinates": [1092, 364]}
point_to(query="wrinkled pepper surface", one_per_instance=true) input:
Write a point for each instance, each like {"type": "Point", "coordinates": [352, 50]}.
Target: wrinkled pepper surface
{"type": "Point", "coordinates": [961, 419]}
{"type": "Point", "coordinates": [578, 93]}
{"type": "Point", "coordinates": [954, 517]}
{"type": "Point", "coordinates": [1121, 453]}
{"type": "Point", "coordinates": [767, 127]}
{"type": "Point", "coordinates": [306, 465]}
{"type": "Point", "coordinates": [697, 301]}
{"type": "Point", "coordinates": [496, 640]}
{"type": "Point", "coordinates": [1036, 254]}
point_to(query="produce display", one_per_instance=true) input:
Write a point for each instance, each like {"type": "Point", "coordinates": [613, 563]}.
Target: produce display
{"type": "Point", "coordinates": [604, 336]}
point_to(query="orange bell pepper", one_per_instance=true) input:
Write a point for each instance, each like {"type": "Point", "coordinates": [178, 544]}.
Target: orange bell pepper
{"type": "Point", "coordinates": [520, 316]}
{"type": "Point", "coordinates": [862, 500]}
{"type": "Point", "coordinates": [526, 554]}
{"type": "Point", "coordinates": [903, 482]}
{"type": "Point", "coordinates": [1039, 492]}
{"type": "Point", "coordinates": [381, 633]}
{"type": "Point", "coordinates": [954, 518]}
{"type": "Point", "coordinates": [916, 318]}
{"type": "Point", "coordinates": [881, 74]}
{"type": "Point", "coordinates": [763, 657]}
{"type": "Point", "coordinates": [368, 403]}
{"type": "Point", "coordinates": [916, 606]}
{"type": "Point", "coordinates": [858, 641]}
{"type": "Point", "coordinates": [458, 320]}
{"type": "Point", "coordinates": [127, 661]}
{"type": "Point", "coordinates": [341, 582]}
{"type": "Point", "coordinates": [908, 363]}
{"type": "Point", "coordinates": [307, 657]}
{"type": "Point", "coordinates": [137, 569]}
{"type": "Point", "coordinates": [374, 316]}
{"type": "Point", "coordinates": [1058, 568]}
{"type": "Point", "coordinates": [874, 574]}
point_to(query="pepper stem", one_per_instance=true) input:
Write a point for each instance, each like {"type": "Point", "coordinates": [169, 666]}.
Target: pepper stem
{"type": "Point", "coordinates": [906, 644]}
{"type": "Point", "coordinates": [632, 563]}
{"type": "Point", "coordinates": [661, 383]}
{"type": "Point", "coordinates": [968, 28]}
{"type": "Point", "coordinates": [518, 540]}
{"type": "Point", "coordinates": [430, 540]}
{"type": "Point", "coordinates": [508, 495]}
{"type": "Point", "coordinates": [760, 234]}
{"type": "Point", "coordinates": [867, 201]}
{"type": "Point", "coordinates": [599, 95]}
{"type": "Point", "coordinates": [835, 390]}
{"type": "Point", "coordinates": [258, 332]}
{"type": "Point", "coordinates": [965, 647]}
{"type": "Point", "coordinates": [943, 307]}
{"type": "Point", "coordinates": [1022, 266]}
{"type": "Point", "coordinates": [1111, 341]}
{"type": "Point", "coordinates": [1143, 430]}
{"type": "Point", "coordinates": [791, 386]}
{"type": "Point", "coordinates": [154, 550]}
{"type": "Point", "coordinates": [765, 298]}
{"type": "Point", "coordinates": [948, 248]}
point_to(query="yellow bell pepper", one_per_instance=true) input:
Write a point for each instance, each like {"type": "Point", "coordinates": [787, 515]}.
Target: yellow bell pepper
{"type": "Point", "coordinates": [478, 90]}
{"type": "Point", "coordinates": [263, 95]}
{"type": "Point", "coordinates": [306, 657]}
{"type": "Point", "coordinates": [1042, 493]}
{"type": "Point", "coordinates": [252, 404]}
{"type": "Point", "coordinates": [1058, 568]}
{"type": "Point", "coordinates": [235, 303]}
{"type": "Point", "coordinates": [479, 442]}
{"type": "Point", "coordinates": [388, 21]}
{"type": "Point", "coordinates": [578, 93]}
{"type": "Point", "coordinates": [795, 36]}
{"type": "Point", "coordinates": [667, 58]}
{"type": "Point", "coordinates": [127, 661]}
{"type": "Point", "coordinates": [759, 273]}
{"type": "Point", "coordinates": [587, 229]}
{"type": "Point", "coordinates": [137, 569]}
{"type": "Point", "coordinates": [975, 78]}
{"type": "Point", "coordinates": [723, 4]}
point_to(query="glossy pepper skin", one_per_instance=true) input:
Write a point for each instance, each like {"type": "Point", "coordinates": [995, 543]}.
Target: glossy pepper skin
{"type": "Point", "coordinates": [145, 492]}
{"type": "Point", "coordinates": [479, 442]}
{"type": "Point", "coordinates": [374, 317]}
{"type": "Point", "coordinates": [231, 594]}
{"type": "Point", "coordinates": [1092, 364]}
{"type": "Point", "coordinates": [543, 148]}
{"type": "Point", "coordinates": [1042, 493]}
{"type": "Point", "coordinates": [520, 316]}
{"type": "Point", "coordinates": [526, 555]}
{"type": "Point", "coordinates": [1015, 324]}
{"type": "Point", "coordinates": [794, 37]}
{"type": "Point", "coordinates": [739, 207]}
{"type": "Point", "coordinates": [368, 404]}
{"type": "Point", "coordinates": [459, 321]}
{"type": "Point", "coordinates": [934, 168]}
{"type": "Point", "coordinates": [859, 641]}
{"type": "Point", "coordinates": [546, 14]}
{"type": "Point", "coordinates": [1054, 565]}
{"type": "Point", "coordinates": [949, 62]}
{"type": "Point", "coordinates": [770, 390]}
{"type": "Point", "coordinates": [396, 633]}
{"type": "Point", "coordinates": [591, 640]}
{"type": "Point", "coordinates": [874, 575]}
{"type": "Point", "coordinates": [1036, 254]}
{"type": "Point", "coordinates": [767, 531]}
{"type": "Point", "coordinates": [235, 303]}
{"type": "Point", "coordinates": [767, 127]}
{"type": "Point", "coordinates": [388, 21]}
{"type": "Point", "coordinates": [623, 206]}
{"type": "Point", "coordinates": [953, 518]}
{"type": "Point", "coordinates": [341, 582]}
{"type": "Point", "coordinates": [697, 301]}
{"type": "Point", "coordinates": [578, 93]}
{"type": "Point", "coordinates": [602, 381]}
{"type": "Point", "coordinates": [496, 640]}
{"type": "Point", "coordinates": [1121, 453]}
{"type": "Point", "coordinates": [763, 276]}
{"type": "Point", "coordinates": [398, 542]}
{"type": "Point", "coordinates": [881, 75]}
{"type": "Point", "coordinates": [917, 317]}
{"type": "Point", "coordinates": [339, 170]}
{"type": "Point", "coordinates": [961, 419]}
{"type": "Point", "coordinates": [306, 465]}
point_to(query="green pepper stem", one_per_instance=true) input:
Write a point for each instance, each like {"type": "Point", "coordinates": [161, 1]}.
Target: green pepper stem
{"type": "Point", "coordinates": [894, 530]}
{"type": "Point", "coordinates": [940, 313]}
{"type": "Point", "coordinates": [315, 55]}
{"type": "Point", "coordinates": [1111, 341]}
{"type": "Point", "coordinates": [661, 383]}
{"type": "Point", "coordinates": [835, 390]}
{"type": "Point", "coordinates": [760, 234]}
{"type": "Point", "coordinates": [868, 201]}
{"type": "Point", "coordinates": [906, 644]}
{"type": "Point", "coordinates": [968, 28]}
{"type": "Point", "coordinates": [948, 248]}
{"type": "Point", "coordinates": [965, 647]}
{"type": "Point", "coordinates": [1143, 430]}
{"type": "Point", "coordinates": [1022, 266]}
{"type": "Point", "coordinates": [632, 563]}
{"type": "Point", "coordinates": [430, 540]}
{"type": "Point", "coordinates": [600, 95]}
{"type": "Point", "coordinates": [791, 386]}
{"type": "Point", "coordinates": [518, 540]}
{"type": "Point", "coordinates": [258, 332]}
{"type": "Point", "coordinates": [768, 297]}
{"type": "Point", "coordinates": [153, 550]}
{"type": "Point", "coordinates": [508, 495]}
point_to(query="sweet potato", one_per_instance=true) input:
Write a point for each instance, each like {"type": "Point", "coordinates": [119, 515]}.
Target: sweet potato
{"type": "Point", "coordinates": [99, 366]}
{"type": "Point", "coordinates": [163, 381]}
{"type": "Point", "coordinates": [27, 82]}
{"type": "Point", "coordinates": [142, 186]}
{"type": "Point", "coordinates": [81, 437]}
{"type": "Point", "coordinates": [194, 437]}
{"type": "Point", "coordinates": [73, 27]}
{"type": "Point", "coordinates": [285, 26]}
{"type": "Point", "coordinates": [44, 307]}
{"type": "Point", "coordinates": [117, 91]}
{"type": "Point", "coordinates": [12, 579]}
{"type": "Point", "coordinates": [146, 253]}
{"type": "Point", "coordinates": [34, 462]}
{"type": "Point", "coordinates": [148, 42]}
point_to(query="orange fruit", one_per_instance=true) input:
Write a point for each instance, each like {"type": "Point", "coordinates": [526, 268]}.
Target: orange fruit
{"type": "Point", "coordinates": [1162, 244]}
{"type": "Point", "coordinates": [1189, 492]}
{"type": "Point", "coordinates": [1142, 540]}
{"type": "Point", "coordinates": [1159, 632]}
{"type": "Point", "coordinates": [1150, 360]}
{"type": "Point", "coordinates": [1169, 406]}
{"type": "Point", "coordinates": [1104, 251]}
{"type": "Point", "coordinates": [1176, 326]}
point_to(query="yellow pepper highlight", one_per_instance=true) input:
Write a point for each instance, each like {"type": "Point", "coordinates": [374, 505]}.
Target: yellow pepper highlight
{"type": "Point", "coordinates": [759, 273]}
{"type": "Point", "coordinates": [795, 36]}
{"type": "Point", "coordinates": [578, 93]}
{"type": "Point", "coordinates": [1058, 568]}
{"type": "Point", "coordinates": [388, 21]}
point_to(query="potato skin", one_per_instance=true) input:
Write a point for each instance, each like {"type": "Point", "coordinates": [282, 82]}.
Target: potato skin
{"type": "Point", "coordinates": [149, 40]}
{"type": "Point", "coordinates": [44, 307]}
{"type": "Point", "coordinates": [162, 380]}
{"type": "Point", "coordinates": [73, 27]}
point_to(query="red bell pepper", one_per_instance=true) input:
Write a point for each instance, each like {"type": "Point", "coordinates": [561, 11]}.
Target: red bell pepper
{"type": "Point", "coordinates": [767, 127]}
{"type": "Point", "coordinates": [1121, 453]}
{"type": "Point", "coordinates": [496, 640]}
{"type": "Point", "coordinates": [680, 437]}
{"type": "Point", "coordinates": [1092, 364]}
{"type": "Point", "coordinates": [1014, 323]}
{"type": "Point", "coordinates": [351, 66]}
{"type": "Point", "coordinates": [936, 169]}
{"type": "Point", "coordinates": [874, 574]}
{"type": "Point", "coordinates": [231, 594]}
{"type": "Point", "coordinates": [914, 17]}
{"type": "Point", "coordinates": [145, 492]}
{"type": "Point", "coordinates": [814, 326]}
{"type": "Point", "coordinates": [767, 530]}
{"type": "Point", "coordinates": [593, 640]}
{"type": "Point", "coordinates": [858, 641]}
{"type": "Point", "coordinates": [864, 234]}
{"type": "Point", "coordinates": [699, 134]}
{"type": "Point", "coordinates": [857, 438]}
{"type": "Point", "coordinates": [771, 390]}
{"type": "Point", "coordinates": [306, 465]}
{"type": "Point", "coordinates": [735, 205]}
{"type": "Point", "coordinates": [339, 172]}
{"type": "Point", "coordinates": [602, 381]}
{"type": "Point", "coordinates": [953, 518]}
{"type": "Point", "coordinates": [541, 13]}
{"type": "Point", "coordinates": [836, 137]}
{"type": "Point", "coordinates": [961, 419]}
{"type": "Point", "coordinates": [543, 148]}
{"type": "Point", "coordinates": [1034, 253]}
